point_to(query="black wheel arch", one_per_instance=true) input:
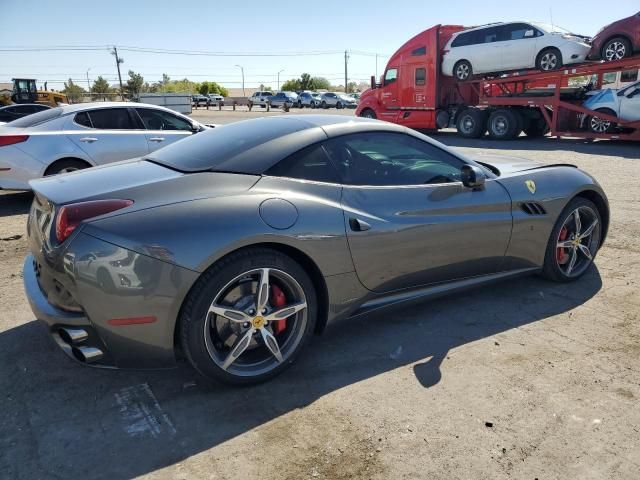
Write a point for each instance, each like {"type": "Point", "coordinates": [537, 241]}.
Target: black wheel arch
{"type": "Point", "coordinates": [611, 37]}
{"type": "Point", "coordinates": [602, 206]}
{"type": "Point", "coordinates": [52, 165]}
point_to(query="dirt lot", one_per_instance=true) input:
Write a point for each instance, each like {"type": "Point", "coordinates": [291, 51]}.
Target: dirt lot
{"type": "Point", "coordinates": [527, 379]}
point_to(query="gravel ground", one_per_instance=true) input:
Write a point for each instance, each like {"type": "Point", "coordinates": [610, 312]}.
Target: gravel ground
{"type": "Point", "coordinates": [526, 379]}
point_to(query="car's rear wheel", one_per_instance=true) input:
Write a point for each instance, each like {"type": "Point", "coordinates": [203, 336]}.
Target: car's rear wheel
{"type": "Point", "coordinates": [549, 59]}
{"type": "Point", "coordinates": [323, 104]}
{"type": "Point", "coordinates": [472, 123]}
{"type": "Point", "coordinates": [66, 165]}
{"type": "Point", "coordinates": [574, 241]}
{"type": "Point", "coordinates": [616, 49]}
{"type": "Point", "coordinates": [503, 124]}
{"type": "Point", "coordinates": [462, 70]}
{"type": "Point", "coordinates": [599, 125]}
{"type": "Point", "coordinates": [248, 317]}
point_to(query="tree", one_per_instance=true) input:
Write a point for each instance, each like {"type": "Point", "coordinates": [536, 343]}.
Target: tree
{"type": "Point", "coordinates": [321, 83]}
{"type": "Point", "coordinates": [135, 84]}
{"type": "Point", "coordinates": [204, 88]}
{"type": "Point", "coordinates": [352, 87]}
{"type": "Point", "coordinates": [306, 82]}
{"type": "Point", "coordinates": [101, 88]}
{"type": "Point", "coordinates": [75, 93]}
{"type": "Point", "coordinates": [291, 85]}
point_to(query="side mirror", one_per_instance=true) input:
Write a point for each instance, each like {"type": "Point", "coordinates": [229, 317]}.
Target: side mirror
{"type": "Point", "coordinates": [195, 128]}
{"type": "Point", "coordinates": [373, 82]}
{"type": "Point", "coordinates": [472, 176]}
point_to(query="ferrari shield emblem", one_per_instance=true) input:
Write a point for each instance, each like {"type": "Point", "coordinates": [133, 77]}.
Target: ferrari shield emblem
{"type": "Point", "coordinates": [531, 185]}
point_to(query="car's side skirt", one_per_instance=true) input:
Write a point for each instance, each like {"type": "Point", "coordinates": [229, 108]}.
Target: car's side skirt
{"type": "Point", "coordinates": [438, 290]}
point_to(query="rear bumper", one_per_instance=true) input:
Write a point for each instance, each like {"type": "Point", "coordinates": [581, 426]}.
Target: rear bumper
{"type": "Point", "coordinates": [17, 168]}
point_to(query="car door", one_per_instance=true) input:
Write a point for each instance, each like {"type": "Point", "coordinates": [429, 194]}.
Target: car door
{"type": "Point", "coordinates": [390, 95]}
{"type": "Point", "coordinates": [107, 134]}
{"type": "Point", "coordinates": [409, 219]}
{"type": "Point", "coordinates": [630, 103]}
{"type": "Point", "coordinates": [163, 128]}
{"type": "Point", "coordinates": [485, 53]}
{"type": "Point", "coordinates": [518, 45]}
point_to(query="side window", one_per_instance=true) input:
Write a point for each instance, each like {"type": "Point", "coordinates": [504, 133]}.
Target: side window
{"type": "Point", "coordinates": [629, 76]}
{"type": "Point", "coordinates": [419, 51]}
{"type": "Point", "coordinates": [310, 163]}
{"type": "Point", "coordinates": [609, 77]}
{"type": "Point", "coordinates": [83, 119]}
{"type": "Point", "coordinates": [489, 35]}
{"type": "Point", "coordinates": [159, 120]}
{"type": "Point", "coordinates": [111, 119]}
{"type": "Point", "coordinates": [390, 76]}
{"type": "Point", "coordinates": [462, 40]}
{"type": "Point", "coordinates": [421, 75]}
{"type": "Point", "coordinates": [517, 31]}
{"type": "Point", "coordinates": [378, 158]}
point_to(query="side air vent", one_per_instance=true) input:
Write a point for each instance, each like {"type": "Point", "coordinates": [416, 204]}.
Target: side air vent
{"type": "Point", "coordinates": [533, 208]}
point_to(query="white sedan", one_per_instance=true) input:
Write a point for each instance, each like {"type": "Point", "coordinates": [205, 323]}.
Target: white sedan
{"type": "Point", "coordinates": [78, 136]}
{"type": "Point", "coordinates": [502, 47]}
{"type": "Point", "coordinates": [623, 103]}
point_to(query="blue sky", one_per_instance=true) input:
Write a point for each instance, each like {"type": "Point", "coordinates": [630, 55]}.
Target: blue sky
{"type": "Point", "coordinates": [367, 26]}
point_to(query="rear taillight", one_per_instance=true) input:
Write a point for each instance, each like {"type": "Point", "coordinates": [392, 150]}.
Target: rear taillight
{"type": "Point", "coordinates": [12, 139]}
{"type": "Point", "coordinates": [70, 216]}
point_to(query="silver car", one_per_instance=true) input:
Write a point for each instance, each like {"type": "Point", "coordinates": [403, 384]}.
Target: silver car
{"type": "Point", "coordinates": [78, 136]}
{"type": "Point", "coordinates": [337, 99]}
{"type": "Point", "coordinates": [309, 99]}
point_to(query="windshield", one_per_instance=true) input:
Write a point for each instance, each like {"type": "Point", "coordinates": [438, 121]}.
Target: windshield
{"type": "Point", "coordinates": [36, 118]}
{"type": "Point", "coordinates": [547, 27]}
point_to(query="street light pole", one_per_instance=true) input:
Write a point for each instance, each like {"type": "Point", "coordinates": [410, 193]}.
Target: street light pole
{"type": "Point", "coordinates": [88, 84]}
{"type": "Point", "coordinates": [279, 78]}
{"type": "Point", "coordinates": [242, 70]}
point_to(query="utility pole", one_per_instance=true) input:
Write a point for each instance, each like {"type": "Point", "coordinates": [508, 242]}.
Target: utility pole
{"type": "Point", "coordinates": [279, 79]}
{"type": "Point", "coordinates": [346, 57]}
{"type": "Point", "coordinates": [119, 60]}
{"type": "Point", "coordinates": [88, 84]}
{"type": "Point", "coordinates": [242, 70]}
{"type": "Point", "coordinates": [376, 67]}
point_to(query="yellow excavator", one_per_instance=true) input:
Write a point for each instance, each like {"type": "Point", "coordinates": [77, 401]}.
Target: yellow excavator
{"type": "Point", "coordinates": [25, 91]}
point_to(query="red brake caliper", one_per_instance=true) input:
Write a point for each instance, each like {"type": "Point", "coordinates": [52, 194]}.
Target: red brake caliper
{"type": "Point", "coordinates": [278, 300]}
{"type": "Point", "coordinates": [561, 254]}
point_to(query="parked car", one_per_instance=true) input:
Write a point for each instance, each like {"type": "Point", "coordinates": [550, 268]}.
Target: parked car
{"type": "Point", "coordinates": [337, 99]}
{"type": "Point", "coordinates": [309, 220]}
{"type": "Point", "coordinates": [94, 134]}
{"type": "Point", "coordinates": [617, 40]}
{"type": "Point", "coordinates": [502, 47]}
{"type": "Point", "coordinates": [260, 98]}
{"type": "Point", "coordinates": [309, 99]}
{"type": "Point", "coordinates": [214, 99]}
{"type": "Point", "coordinates": [13, 112]}
{"type": "Point", "coordinates": [623, 103]}
{"type": "Point", "coordinates": [281, 99]}
{"type": "Point", "coordinates": [199, 100]}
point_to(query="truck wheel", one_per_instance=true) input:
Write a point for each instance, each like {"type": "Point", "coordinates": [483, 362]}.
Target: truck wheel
{"type": "Point", "coordinates": [537, 128]}
{"type": "Point", "coordinates": [462, 70]}
{"type": "Point", "coordinates": [368, 113]}
{"type": "Point", "coordinates": [549, 59]}
{"type": "Point", "coordinates": [503, 125]}
{"type": "Point", "coordinates": [599, 125]}
{"type": "Point", "coordinates": [616, 49]}
{"type": "Point", "coordinates": [472, 123]}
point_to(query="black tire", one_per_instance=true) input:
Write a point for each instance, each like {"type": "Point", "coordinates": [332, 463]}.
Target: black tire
{"type": "Point", "coordinates": [462, 70]}
{"type": "Point", "coordinates": [596, 125]}
{"type": "Point", "coordinates": [536, 128]}
{"type": "Point", "coordinates": [503, 124]}
{"type": "Point", "coordinates": [193, 316]}
{"type": "Point", "coordinates": [65, 166]}
{"type": "Point", "coordinates": [549, 59]}
{"type": "Point", "coordinates": [552, 268]}
{"type": "Point", "coordinates": [368, 113]}
{"type": "Point", "coordinates": [616, 49]}
{"type": "Point", "coordinates": [313, 104]}
{"type": "Point", "coordinates": [324, 104]}
{"type": "Point", "coordinates": [339, 105]}
{"type": "Point", "coordinates": [472, 123]}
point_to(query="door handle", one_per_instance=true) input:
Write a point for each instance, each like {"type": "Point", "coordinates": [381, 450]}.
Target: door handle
{"type": "Point", "coordinates": [358, 225]}
{"type": "Point", "coordinates": [156, 139]}
{"type": "Point", "coordinates": [88, 139]}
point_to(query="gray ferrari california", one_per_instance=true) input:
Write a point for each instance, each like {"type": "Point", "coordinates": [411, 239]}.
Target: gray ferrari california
{"type": "Point", "coordinates": [234, 246]}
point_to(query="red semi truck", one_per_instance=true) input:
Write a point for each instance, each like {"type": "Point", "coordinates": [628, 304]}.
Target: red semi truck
{"type": "Point", "coordinates": [413, 92]}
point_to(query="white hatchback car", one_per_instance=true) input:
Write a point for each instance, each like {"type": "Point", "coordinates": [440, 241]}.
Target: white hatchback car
{"type": "Point", "coordinates": [78, 136]}
{"type": "Point", "coordinates": [501, 47]}
{"type": "Point", "coordinates": [623, 103]}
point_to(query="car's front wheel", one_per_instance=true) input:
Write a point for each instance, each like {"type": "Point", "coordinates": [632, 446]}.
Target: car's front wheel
{"type": "Point", "coordinates": [599, 125]}
{"type": "Point", "coordinates": [574, 241]}
{"type": "Point", "coordinates": [616, 49]}
{"type": "Point", "coordinates": [248, 317]}
{"type": "Point", "coordinates": [549, 59]}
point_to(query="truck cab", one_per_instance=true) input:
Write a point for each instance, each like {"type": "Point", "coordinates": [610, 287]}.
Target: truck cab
{"type": "Point", "coordinates": [412, 89]}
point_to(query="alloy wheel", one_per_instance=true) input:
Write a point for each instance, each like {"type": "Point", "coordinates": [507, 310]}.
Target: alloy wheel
{"type": "Point", "coordinates": [615, 51]}
{"type": "Point", "coordinates": [549, 61]}
{"type": "Point", "coordinates": [462, 72]}
{"type": "Point", "coordinates": [598, 125]}
{"type": "Point", "coordinates": [577, 241]}
{"type": "Point", "coordinates": [256, 322]}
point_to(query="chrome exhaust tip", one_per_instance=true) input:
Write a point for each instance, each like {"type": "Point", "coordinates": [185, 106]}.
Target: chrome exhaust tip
{"type": "Point", "coordinates": [72, 335]}
{"type": "Point", "coordinates": [87, 354]}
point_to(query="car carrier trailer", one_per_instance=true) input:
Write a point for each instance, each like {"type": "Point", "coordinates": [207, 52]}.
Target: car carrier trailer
{"type": "Point", "coordinates": [413, 92]}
